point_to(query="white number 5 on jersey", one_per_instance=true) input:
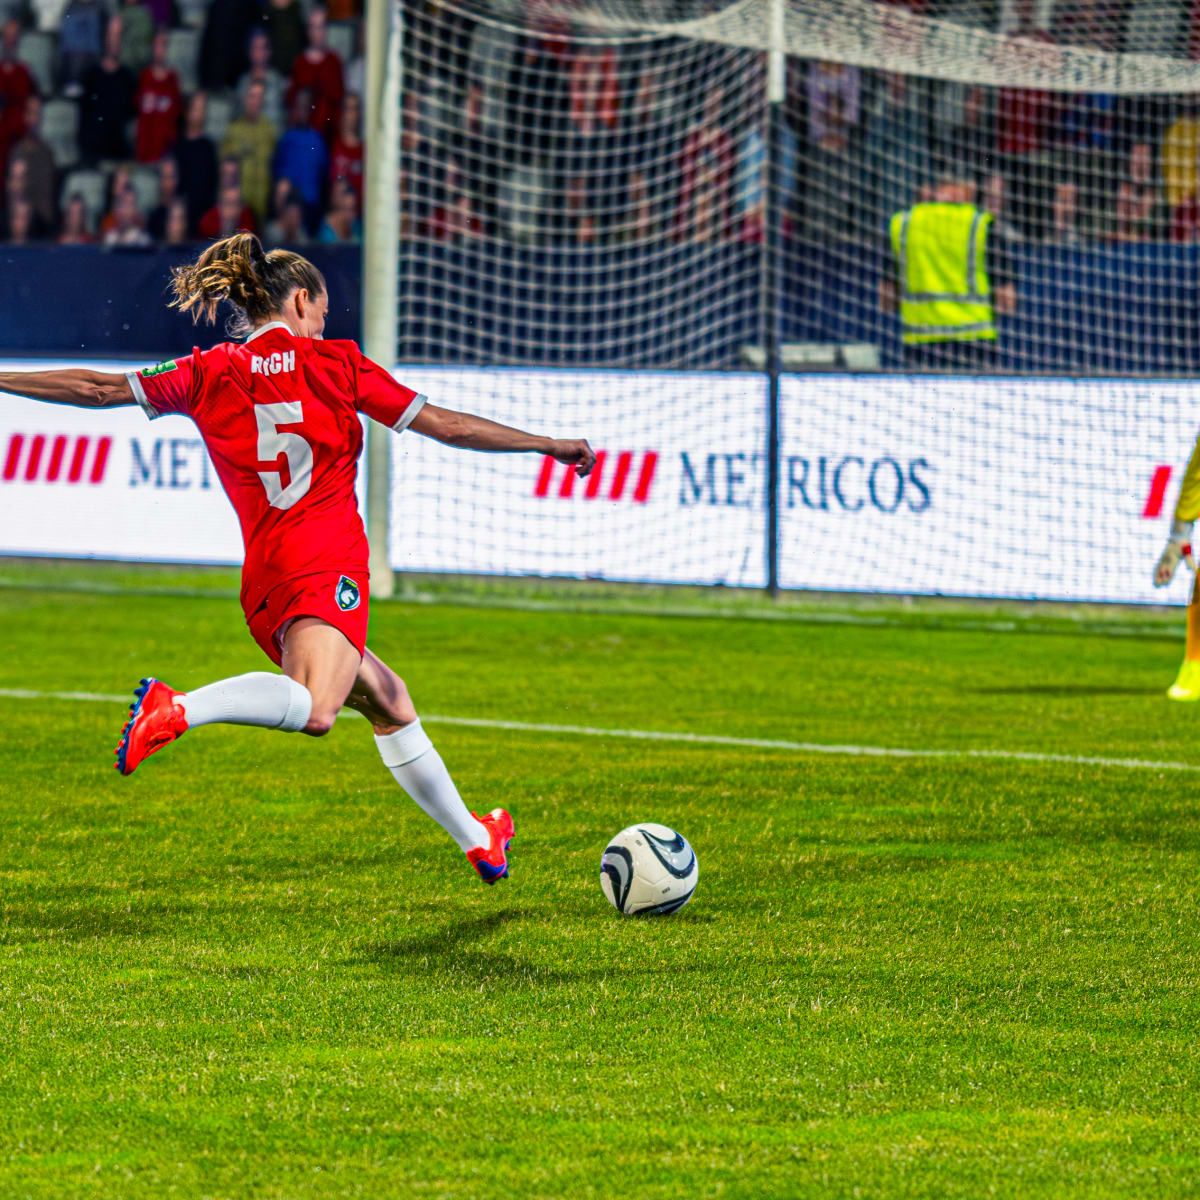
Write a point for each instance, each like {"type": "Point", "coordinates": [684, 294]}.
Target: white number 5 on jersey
{"type": "Point", "coordinates": [272, 443]}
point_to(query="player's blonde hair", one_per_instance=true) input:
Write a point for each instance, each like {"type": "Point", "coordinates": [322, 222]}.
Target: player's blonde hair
{"type": "Point", "coordinates": [237, 270]}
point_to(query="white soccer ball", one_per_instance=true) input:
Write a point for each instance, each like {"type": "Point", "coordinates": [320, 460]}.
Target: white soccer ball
{"type": "Point", "coordinates": [649, 869]}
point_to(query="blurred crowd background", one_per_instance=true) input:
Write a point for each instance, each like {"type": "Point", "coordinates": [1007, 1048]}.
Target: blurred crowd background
{"type": "Point", "coordinates": [169, 121]}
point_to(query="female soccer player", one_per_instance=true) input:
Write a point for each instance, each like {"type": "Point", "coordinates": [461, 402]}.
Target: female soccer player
{"type": "Point", "coordinates": [1179, 549]}
{"type": "Point", "coordinates": [279, 414]}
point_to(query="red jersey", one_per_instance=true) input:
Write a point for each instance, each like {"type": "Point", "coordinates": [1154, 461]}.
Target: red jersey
{"type": "Point", "coordinates": [159, 105]}
{"type": "Point", "coordinates": [279, 415]}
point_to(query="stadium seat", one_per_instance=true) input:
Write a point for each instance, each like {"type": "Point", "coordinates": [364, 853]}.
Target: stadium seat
{"type": "Point", "coordinates": [220, 113]}
{"type": "Point", "coordinates": [192, 13]}
{"type": "Point", "coordinates": [145, 185]}
{"type": "Point", "coordinates": [92, 186]}
{"type": "Point", "coordinates": [60, 128]}
{"type": "Point", "coordinates": [341, 39]}
{"type": "Point", "coordinates": [183, 53]}
{"type": "Point", "coordinates": [49, 14]}
{"type": "Point", "coordinates": [39, 52]}
{"type": "Point", "coordinates": [1155, 28]}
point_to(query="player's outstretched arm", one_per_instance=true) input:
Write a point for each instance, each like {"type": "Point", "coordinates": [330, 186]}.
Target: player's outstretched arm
{"type": "Point", "coordinates": [469, 432]}
{"type": "Point", "coordinates": [71, 385]}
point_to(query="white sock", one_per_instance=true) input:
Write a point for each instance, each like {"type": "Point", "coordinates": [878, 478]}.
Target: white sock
{"type": "Point", "coordinates": [418, 768]}
{"type": "Point", "coordinates": [260, 698]}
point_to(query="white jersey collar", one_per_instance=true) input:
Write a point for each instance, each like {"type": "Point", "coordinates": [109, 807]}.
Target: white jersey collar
{"type": "Point", "coordinates": [267, 329]}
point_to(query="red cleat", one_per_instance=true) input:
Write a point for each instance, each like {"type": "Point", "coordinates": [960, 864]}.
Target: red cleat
{"type": "Point", "coordinates": [492, 861]}
{"type": "Point", "coordinates": [155, 720]}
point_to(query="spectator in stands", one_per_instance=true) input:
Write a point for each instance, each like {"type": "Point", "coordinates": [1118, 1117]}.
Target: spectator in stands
{"type": "Point", "coordinates": [175, 232]}
{"type": "Point", "coordinates": [452, 217]}
{"type": "Point", "coordinates": [963, 120]}
{"type": "Point", "coordinates": [80, 44]}
{"type": "Point", "coordinates": [284, 20]}
{"type": "Point", "coordinates": [318, 71]}
{"type": "Point", "coordinates": [344, 10]}
{"type": "Point", "coordinates": [834, 106]}
{"type": "Point", "coordinates": [164, 13]}
{"type": "Point", "coordinates": [38, 158]}
{"type": "Point", "coordinates": [288, 227]}
{"type": "Point", "coordinates": [20, 224]}
{"type": "Point", "coordinates": [168, 195]}
{"type": "Point", "coordinates": [197, 159]}
{"type": "Point", "coordinates": [250, 140]}
{"type": "Point", "coordinates": [108, 105]}
{"type": "Point", "coordinates": [124, 225]}
{"type": "Point", "coordinates": [895, 158]}
{"type": "Point", "coordinates": [262, 72]}
{"type": "Point", "coordinates": [76, 226]}
{"type": "Point", "coordinates": [230, 214]}
{"type": "Point", "coordinates": [342, 223]}
{"type": "Point", "coordinates": [17, 193]}
{"type": "Point", "coordinates": [1064, 215]}
{"type": "Point", "coordinates": [16, 86]}
{"type": "Point", "coordinates": [1138, 204]}
{"type": "Point", "coordinates": [1180, 154]}
{"type": "Point", "coordinates": [1027, 126]}
{"type": "Point", "coordinates": [706, 164]}
{"type": "Point", "coordinates": [1088, 132]}
{"type": "Point", "coordinates": [159, 105]}
{"type": "Point", "coordinates": [355, 74]}
{"type": "Point", "coordinates": [644, 157]}
{"type": "Point", "coordinates": [947, 314]}
{"type": "Point", "coordinates": [302, 159]}
{"type": "Point", "coordinates": [346, 157]}
{"type": "Point", "coordinates": [223, 43]}
{"type": "Point", "coordinates": [995, 202]}
{"type": "Point", "coordinates": [137, 36]}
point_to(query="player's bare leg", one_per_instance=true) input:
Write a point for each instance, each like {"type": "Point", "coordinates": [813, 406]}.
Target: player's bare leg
{"type": "Point", "coordinates": [323, 660]}
{"type": "Point", "coordinates": [382, 697]}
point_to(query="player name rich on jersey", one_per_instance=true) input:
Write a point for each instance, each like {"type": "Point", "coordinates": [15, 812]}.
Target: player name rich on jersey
{"type": "Point", "coordinates": [273, 364]}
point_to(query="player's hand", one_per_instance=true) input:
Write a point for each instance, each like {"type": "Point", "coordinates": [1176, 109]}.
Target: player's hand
{"type": "Point", "coordinates": [1178, 549]}
{"type": "Point", "coordinates": [576, 453]}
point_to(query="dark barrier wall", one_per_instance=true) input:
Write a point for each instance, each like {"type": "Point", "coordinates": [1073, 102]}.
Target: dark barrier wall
{"type": "Point", "coordinates": [486, 302]}
{"type": "Point", "coordinates": [81, 300]}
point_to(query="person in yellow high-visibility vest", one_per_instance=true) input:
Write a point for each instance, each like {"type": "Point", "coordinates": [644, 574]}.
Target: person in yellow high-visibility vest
{"type": "Point", "coordinates": [1179, 549]}
{"type": "Point", "coordinates": [952, 277]}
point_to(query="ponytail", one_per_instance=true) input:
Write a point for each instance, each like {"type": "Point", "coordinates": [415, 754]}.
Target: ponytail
{"type": "Point", "coordinates": [255, 284]}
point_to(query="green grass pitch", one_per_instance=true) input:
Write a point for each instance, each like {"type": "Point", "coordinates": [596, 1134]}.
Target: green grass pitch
{"type": "Point", "coordinates": [255, 969]}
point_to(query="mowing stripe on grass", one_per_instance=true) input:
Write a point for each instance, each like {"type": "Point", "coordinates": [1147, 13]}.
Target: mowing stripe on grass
{"type": "Point", "coordinates": [712, 739]}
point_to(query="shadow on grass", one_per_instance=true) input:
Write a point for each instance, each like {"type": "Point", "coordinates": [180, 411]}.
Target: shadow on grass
{"type": "Point", "coordinates": [452, 952]}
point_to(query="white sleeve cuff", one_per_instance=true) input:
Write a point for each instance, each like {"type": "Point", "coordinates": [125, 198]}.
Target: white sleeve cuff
{"type": "Point", "coordinates": [409, 415]}
{"type": "Point", "coordinates": [139, 394]}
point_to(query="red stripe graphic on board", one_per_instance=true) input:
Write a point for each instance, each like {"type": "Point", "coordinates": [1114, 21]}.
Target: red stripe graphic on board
{"type": "Point", "coordinates": [542, 487]}
{"type": "Point", "coordinates": [102, 449]}
{"type": "Point", "coordinates": [75, 474]}
{"type": "Point", "coordinates": [624, 462]}
{"type": "Point", "coordinates": [641, 493]}
{"type": "Point", "coordinates": [58, 451]}
{"type": "Point", "coordinates": [34, 461]}
{"type": "Point", "coordinates": [593, 486]}
{"type": "Point", "coordinates": [41, 458]}
{"type": "Point", "coordinates": [1158, 492]}
{"type": "Point", "coordinates": [618, 485]}
{"type": "Point", "coordinates": [16, 444]}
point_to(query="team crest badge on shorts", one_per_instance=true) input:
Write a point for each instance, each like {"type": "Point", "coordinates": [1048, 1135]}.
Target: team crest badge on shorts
{"type": "Point", "coordinates": [347, 595]}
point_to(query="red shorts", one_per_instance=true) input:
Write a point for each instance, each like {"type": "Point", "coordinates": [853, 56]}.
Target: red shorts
{"type": "Point", "coordinates": [339, 598]}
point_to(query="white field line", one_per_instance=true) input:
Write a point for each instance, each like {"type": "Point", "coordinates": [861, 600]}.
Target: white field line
{"type": "Point", "coordinates": [714, 739]}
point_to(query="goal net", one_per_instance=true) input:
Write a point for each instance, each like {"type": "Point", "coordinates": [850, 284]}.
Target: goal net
{"type": "Point", "coordinates": [599, 201]}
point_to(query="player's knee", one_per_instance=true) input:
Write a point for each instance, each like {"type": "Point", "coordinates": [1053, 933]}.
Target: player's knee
{"type": "Point", "coordinates": [319, 724]}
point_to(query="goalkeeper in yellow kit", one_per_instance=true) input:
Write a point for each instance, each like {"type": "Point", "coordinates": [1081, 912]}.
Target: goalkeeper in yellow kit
{"type": "Point", "coordinates": [1179, 549]}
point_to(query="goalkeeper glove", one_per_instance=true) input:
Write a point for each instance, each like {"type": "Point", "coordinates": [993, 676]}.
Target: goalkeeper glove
{"type": "Point", "coordinates": [1177, 549]}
